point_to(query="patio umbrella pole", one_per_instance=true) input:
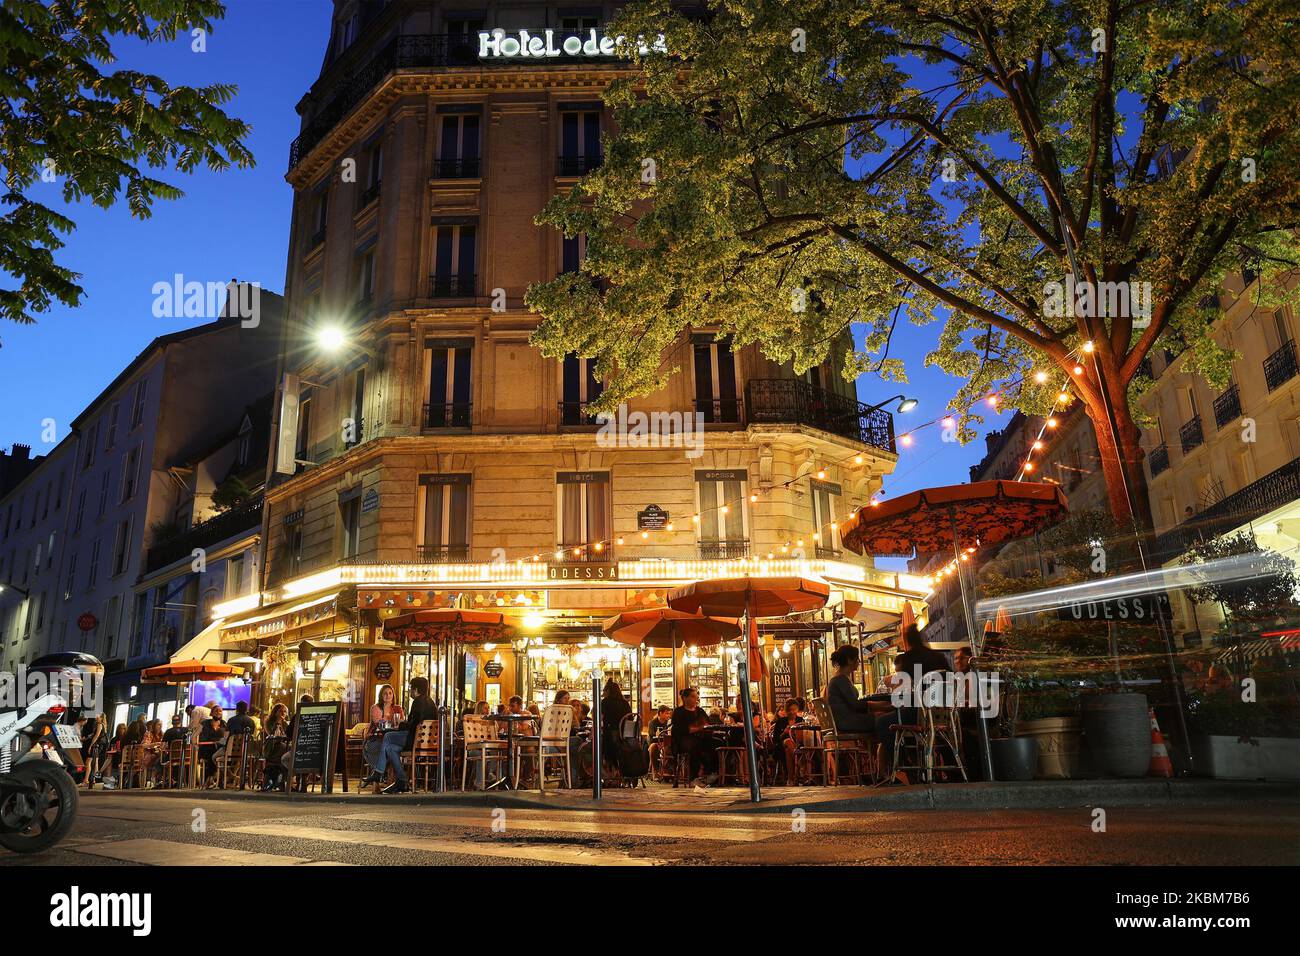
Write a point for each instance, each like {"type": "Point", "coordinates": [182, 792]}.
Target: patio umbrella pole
{"type": "Point", "coordinates": [986, 753]}
{"type": "Point", "coordinates": [751, 755]}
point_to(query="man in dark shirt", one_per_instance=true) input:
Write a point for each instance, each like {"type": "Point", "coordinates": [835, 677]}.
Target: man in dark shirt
{"type": "Point", "coordinates": [241, 723]}
{"type": "Point", "coordinates": [395, 741]}
{"type": "Point", "coordinates": [211, 734]}
{"type": "Point", "coordinates": [690, 737]}
{"type": "Point", "coordinates": [917, 660]}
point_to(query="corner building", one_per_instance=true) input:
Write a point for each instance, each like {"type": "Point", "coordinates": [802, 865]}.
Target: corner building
{"type": "Point", "coordinates": [428, 455]}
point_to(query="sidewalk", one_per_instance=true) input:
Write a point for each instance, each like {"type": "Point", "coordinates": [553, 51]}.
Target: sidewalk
{"type": "Point", "coordinates": [658, 798]}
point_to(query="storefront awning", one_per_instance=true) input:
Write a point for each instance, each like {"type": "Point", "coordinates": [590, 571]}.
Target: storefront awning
{"type": "Point", "coordinates": [201, 644]}
{"type": "Point", "coordinates": [276, 621]}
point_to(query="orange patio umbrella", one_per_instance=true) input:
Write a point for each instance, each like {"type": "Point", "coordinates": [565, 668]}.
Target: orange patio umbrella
{"type": "Point", "coordinates": [752, 598]}
{"type": "Point", "coordinates": [187, 672]}
{"type": "Point", "coordinates": [665, 627]}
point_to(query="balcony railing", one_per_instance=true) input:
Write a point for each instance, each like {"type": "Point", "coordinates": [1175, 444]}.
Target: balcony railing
{"type": "Point", "coordinates": [1191, 434]}
{"type": "Point", "coordinates": [452, 287]}
{"type": "Point", "coordinates": [456, 168]}
{"type": "Point", "coordinates": [1258, 498]}
{"type": "Point", "coordinates": [1280, 367]}
{"type": "Point", "coordinates": [422, 50]}
{"type": "Point", "coordinates": [793, 401]}
{"type": "Point", "coordinates": [578, 165]}
{"type": "Point", "coordinates": [1227, 406]}
{"type": "Point", "coordinates": [575, 413]}
{"type": "Point", "coordinates": [1158, 460]}
{"type": "Point", "coordinates": [443, 553]}
{"type": "Point", "coordinates": [448, 415]}
{"type": "Point", "coordinates": [247, 517]}
{"type": "Point", "coordinates": [719, 410]}
{"type": "Point", "coordinates": [723, 549]}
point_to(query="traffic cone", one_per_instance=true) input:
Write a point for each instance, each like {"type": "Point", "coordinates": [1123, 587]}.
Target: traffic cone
{"type": "Point", "coordinates": [1161, 765]}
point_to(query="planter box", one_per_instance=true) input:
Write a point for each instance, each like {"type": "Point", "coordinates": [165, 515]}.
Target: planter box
{"type": "Point", "coordinates": [1246, 758]}
{"type": "Point", "coordinates": [1058, 745]}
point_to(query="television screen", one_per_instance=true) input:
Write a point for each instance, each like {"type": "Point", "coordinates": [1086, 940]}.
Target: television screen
{"type": "Point", "coordinates": [226, 692]}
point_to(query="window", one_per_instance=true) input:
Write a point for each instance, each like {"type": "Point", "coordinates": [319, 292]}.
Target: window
{"type": "Point", "coordinates": [581, 387]}
{"type": "Point", "coordinates": [579, 139]}
{"type": "Point", "coordinates": [137, 406]}
{"type": "Point", "coordinates": [28, 610]}
{"type": "Point", "coordinates": [720, 503]}
{"type": "Point", "coordinates": [583, 510]}
{"type": "Point", "coordinates": [447, 374]}
{"type": "Point", "coordinates": [715, 380]}
{"type": "Point", "coordinates": [458, 145]}
{"type": "Point", "coordinates": [572, 251]}
{"type": "Point", "coordinates": [353, 433]}
{"type": "Point", "coordinates": [39, 600]}
{"type": "Point", "coordinates": [103, 493]}
{"type": "Point", "coordinates": [112, 611]}
{"type": "Point", "coordinates": [826, 542]}
{"type": "Point", "coordinates": [346, 33]}
{"type": "Point", "coordinates": [58, 500]}
{"type": "Point", "coordinates": [139, 616]}
{"type": "Point", "coordinates": [366, 276]}
{"type": "Point", "coordinates": [350, 523]}
{"type": "Point", "coordinates": [72, 576]}
{"type": "Point", "coordinates": [372, 172]}
{"type": "Point", "coordinates": [110, 438]}
{"type": "Point", "coordinates": [462, 36]}
{"type": "Point", "coordinates": [45, 501]}
{"type": "Point", "coordinates": [291, 553]}
{"type": "Point", "coordinates": [130, 475]}
{"type": "Point", "coordinates": [318, 210]}
{"type": "Point", "coordinates": [92, 440]}
{"type": "Point", "coordinates": [443, 518]}
{"type": "Point", "coordinates": [453, 261]}
{"type": "Point", "coordinates": [244, 445]}
{"type": "Point", "coordinates": [303, 449]}
{"type": "Point", "coordinates": [577, 23]}
{"type": "Point", "coordinates": [36, 506]}
{"type": "Point", "coordinates": [81, 511]}
{"type": "Point", "coordinates": [93, 574]}
{"type": "Point", "coordinates": [234, 575]}
{"type": "Point", "coordinates": [121, 547]}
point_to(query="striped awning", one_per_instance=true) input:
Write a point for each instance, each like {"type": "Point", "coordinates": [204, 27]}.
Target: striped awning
{"type": "Point", "coordinates": [1249, 650]}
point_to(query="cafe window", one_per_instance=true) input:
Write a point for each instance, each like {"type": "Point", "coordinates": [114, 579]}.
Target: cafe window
{"type": "Point", "coordinates": [823, 494]}
{"type": "Point", "coordinates": [715, 380]}
{"type": "Point", "coordinates": [350, 523]}
{"type": "Point", "coordinates": [443, 517]}
{"type": "Point", "coordinates": [454, 260]}
{"type": "Point", "coordinates": [448, 367]}
{"type": "Point", "coordinates": [581, 387]}
{"type": "Point", "coordinates": [579, 139]}
{"type": "Point", "coordinates": [458, 143]}
{"type": "Point", "coordinates": [720, 503]}
{"type": "Point", "coordinates": [582, 509]}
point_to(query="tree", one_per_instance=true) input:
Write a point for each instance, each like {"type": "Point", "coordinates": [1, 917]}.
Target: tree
{"type": "Point", "coordinates": [230, 494]}
{"type": "Point", "coordinates": [788, 169]}
{"type": "Point", "coordinates": [1254, 583]}
{"type": "Point", "coordinates": [98, 134]}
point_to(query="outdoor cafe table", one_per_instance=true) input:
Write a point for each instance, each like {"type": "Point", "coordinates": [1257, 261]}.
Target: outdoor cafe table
{"type": "Point", "coordinates": [510, 721]}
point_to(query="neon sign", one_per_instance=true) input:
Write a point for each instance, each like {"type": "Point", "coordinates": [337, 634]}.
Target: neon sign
{"type": "Point", "coordinates": [543, 44]}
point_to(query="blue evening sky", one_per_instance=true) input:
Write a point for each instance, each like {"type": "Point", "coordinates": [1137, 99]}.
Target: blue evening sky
{"type": "Point", "coordinates": [236, 225]}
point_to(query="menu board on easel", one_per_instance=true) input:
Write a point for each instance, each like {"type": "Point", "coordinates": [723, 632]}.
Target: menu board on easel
{"type": "Point", "coordinates": [317, 729]}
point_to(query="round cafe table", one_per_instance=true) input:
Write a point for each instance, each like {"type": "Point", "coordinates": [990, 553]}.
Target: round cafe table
{"type": "Point", "coordinates": [510, 720]}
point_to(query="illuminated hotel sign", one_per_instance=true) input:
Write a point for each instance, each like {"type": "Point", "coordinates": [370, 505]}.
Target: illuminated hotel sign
{"type": "Point", "coordinates": [544, 44]}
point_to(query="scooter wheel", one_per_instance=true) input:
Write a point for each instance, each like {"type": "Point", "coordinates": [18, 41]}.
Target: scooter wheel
{"type": "Point", "coordinates": [22, 829]}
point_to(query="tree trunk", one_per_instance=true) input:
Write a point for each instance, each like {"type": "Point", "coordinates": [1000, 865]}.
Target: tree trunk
{"type": "Point", "coordinates": [1121, 458]}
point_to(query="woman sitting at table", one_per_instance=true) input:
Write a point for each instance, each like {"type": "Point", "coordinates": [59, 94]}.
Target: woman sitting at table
{"type": "Point", "coordinates": [613, 708]}
{"type": "Point", "coordinates": [275, 748]}
{"type": "Point", "coordinates": [852, 714]}
{"type": "Point", "coordinates": [150, 750]}
{"type": "Point", "coordinates": [390, 711]}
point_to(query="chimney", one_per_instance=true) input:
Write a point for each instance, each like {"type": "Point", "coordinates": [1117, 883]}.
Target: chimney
{"type": "Point", "coordinates": [21, 452]}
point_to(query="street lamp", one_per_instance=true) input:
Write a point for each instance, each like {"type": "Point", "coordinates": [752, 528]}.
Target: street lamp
{"type": "Point", "coordinates": [905, 404]}
{"type": "Point", "coordinates": [331, 338]}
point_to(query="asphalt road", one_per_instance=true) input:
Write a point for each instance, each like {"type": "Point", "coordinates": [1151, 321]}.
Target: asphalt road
{"type": "Point", "coordinates": [145, 829]}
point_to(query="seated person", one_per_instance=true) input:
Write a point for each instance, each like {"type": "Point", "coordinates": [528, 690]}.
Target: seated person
{"type": "Point", "coordinates": [211, 737]}
{"type": "Point", "coordinates": [658, 726]}
{"type": "Point", "coordinates": [917, 660]}
{"type": "Point", "coordinates": [691, 738]}
{"type": "Point", "coordinates": [782, 746]}
{"type": "Point", "coordinates": [241, 723]}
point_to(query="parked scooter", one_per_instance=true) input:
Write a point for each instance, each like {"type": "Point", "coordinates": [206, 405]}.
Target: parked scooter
{"type": "Point", "coordinates": [38, 758]}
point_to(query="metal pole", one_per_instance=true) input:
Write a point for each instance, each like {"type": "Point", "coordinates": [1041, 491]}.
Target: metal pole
{"type": "Point", "coordinates": [747, 708]}
{"type": "Point", "coordinates": [986, 752]}
{"type": "Point", "coordinates": [596, 742]}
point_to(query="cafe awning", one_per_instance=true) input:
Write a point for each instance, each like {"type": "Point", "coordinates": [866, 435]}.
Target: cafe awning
{"type": "Point", "coordinates": [277, 621]}
{"type": "Point", "coordinates": [201, 644]}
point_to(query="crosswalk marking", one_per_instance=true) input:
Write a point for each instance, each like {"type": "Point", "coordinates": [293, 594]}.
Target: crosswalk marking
{"type": "Point", "coordinates": [168, 853]}
{"type": "Point", "coordinates": [515, 820]}
{"type": "Point", "coordinates": [402, 841]}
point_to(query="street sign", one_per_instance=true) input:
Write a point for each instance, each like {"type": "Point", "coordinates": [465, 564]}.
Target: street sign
{"type": "Point", "coordinates": [653, 518]}
{"type": "Point", "coordinates": [87, 622]}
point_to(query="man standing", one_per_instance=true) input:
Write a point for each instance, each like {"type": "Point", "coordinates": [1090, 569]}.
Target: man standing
{"type": "Point", "coordinates": [395, 741]}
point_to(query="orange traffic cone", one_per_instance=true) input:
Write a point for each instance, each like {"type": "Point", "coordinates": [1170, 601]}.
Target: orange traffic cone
{"type": "Point", "coordinates": [1161, 765]}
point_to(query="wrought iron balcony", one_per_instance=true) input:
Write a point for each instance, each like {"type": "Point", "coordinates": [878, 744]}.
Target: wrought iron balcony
{"type": "Point", "coordinates": [1280, 367]}
{"type": "Point", "coordinates": [1227, 406]}
{"type": "Point", "coordinates": [1256, 499]}
{"type": "Point", "coordinates": [443, 553]}
{"type": "Point", "coordinates": [723, 549]}
{"type": "Point", "coordinates": [578, 165]}
{"type": "Point", "coordinates": [448, 415]}
{"type": "Point", "coordinates": [1158, 459]}
{"type": "Point", "coordinates": [1191, 434]}
{"type": "Point", "coordinates": [717, 410]}
{"type": "Point", "coordinates": [452, 287]}
{"type": "Point", "coordinates": [404, 52]}
{"type": "Point", "coordinates": [575, 413]}
{"type": "Point", "coordinates": [793, 401]}
{"type": "Point", "coordinates": [245, 518]}
{"type": "Point", "coordinates": [457, 168]}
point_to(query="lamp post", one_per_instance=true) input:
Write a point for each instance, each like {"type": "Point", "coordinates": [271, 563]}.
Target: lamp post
{"type": "Point", "coordinates": [905, 404]}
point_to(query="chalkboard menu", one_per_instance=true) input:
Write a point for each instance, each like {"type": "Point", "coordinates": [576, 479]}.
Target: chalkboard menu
{"type": "Point", "coordinates": [316, 732]}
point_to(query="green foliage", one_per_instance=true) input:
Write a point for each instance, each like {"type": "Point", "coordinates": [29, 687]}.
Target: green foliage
{"type": "Point", "coordinates": [231, 493]}
{"type": "Point", "coordinates": [784, 195]}
{"type": "Point", "coordinates": [1090, 541]}
{"type": "Point", "coordinates": [99, 133]}
{"type": "Point", "coordinates": [1266, 591]}
{"type": "Point", "coordinates": [1225, 713]}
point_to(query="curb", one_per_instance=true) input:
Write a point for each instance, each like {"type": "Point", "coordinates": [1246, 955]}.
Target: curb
{"type": "Point", "coordinates": [1036, 795]}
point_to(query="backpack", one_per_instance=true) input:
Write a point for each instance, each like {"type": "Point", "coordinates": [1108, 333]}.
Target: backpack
{"type": "Point", "coordinates": [632, 759]}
